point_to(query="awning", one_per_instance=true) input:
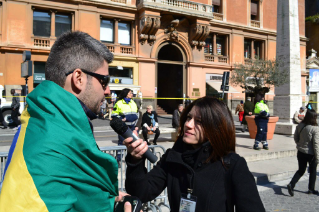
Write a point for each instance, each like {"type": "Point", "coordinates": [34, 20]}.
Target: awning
{"type": "Point", "coordinates": [216, 2]}
{"type": "Point", "coordinates": [254, 8]}
{"type": "Point", "coordinates": [216, 85]}
{"type": "Point", "coordinates": [118, 87]}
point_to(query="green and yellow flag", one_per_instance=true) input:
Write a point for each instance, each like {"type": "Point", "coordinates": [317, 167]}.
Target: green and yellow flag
{"type": "Point", "coordinates": [54, 163]}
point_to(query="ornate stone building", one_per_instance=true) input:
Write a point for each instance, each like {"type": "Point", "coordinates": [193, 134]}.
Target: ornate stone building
{"type": "Point", "coordinates": [164, 48]}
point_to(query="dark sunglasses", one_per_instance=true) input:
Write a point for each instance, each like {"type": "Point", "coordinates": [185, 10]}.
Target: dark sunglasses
{"type": "Point", "coordinates": [103, 79]}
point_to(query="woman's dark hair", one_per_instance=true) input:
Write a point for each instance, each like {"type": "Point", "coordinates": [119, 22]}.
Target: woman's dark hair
{"type": "Point", "coordinates": [310, 118]}
{"type": "Point", "coordinates": [124, 93]}
{"type": "Point", "coordinates": [241, 102]}
{"type": "Point", "coordinates": [217, 125]}
{"type": "Point", "coordinates": [258, 98]}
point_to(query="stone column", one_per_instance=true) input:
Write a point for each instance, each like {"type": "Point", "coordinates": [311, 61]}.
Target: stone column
{"type": "Point", "coordinates": [288, 96]}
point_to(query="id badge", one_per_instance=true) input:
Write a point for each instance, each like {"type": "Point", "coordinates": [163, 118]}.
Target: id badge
{"type": "Point", "coordinates": [187, 203]}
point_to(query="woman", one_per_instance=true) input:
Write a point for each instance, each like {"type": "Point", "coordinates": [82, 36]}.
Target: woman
{"type": "Point", "coordinates": [197, 164]}
{"type": "Point", "coordinates": [307, 139]}
{"type": "Point", "coordinates": [240, 110]}
{"type": "Point", "coordinates": [150, 124]}
{"type": "Point", "coordinates": [261, 119]}
{"type": "Point", "coordinates": [126, 109]}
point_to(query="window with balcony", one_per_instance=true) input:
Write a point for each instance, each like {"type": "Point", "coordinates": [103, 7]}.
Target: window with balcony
{"type": "Point", "coordinates": [107, 31]}
{"type": "Point", "coordinates": [218, 10]}
{"type": "Point", "coordinates": [63, 23]}
{"type": "Point", "coordinates": [42, 23]}
{"type": "Point", "coordinates": [216, 48]}
{"type": "Point", "coordinates": [117, 35]}
{"type": "Point", "coordinates": [255, 13]}
{"type": "Point", "coordinates": [253, 49]}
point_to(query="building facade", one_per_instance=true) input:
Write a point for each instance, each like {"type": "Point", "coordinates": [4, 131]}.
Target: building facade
{"type": "Point", "coordinates": [163, 48]}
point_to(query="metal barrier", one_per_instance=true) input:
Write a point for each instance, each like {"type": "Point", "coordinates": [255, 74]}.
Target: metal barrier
{"type": "Point", "coordinates": [154, 205]}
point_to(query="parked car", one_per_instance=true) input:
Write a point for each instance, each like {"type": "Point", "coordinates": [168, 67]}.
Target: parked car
{"type": "Point", "coordinates": [6, 107]}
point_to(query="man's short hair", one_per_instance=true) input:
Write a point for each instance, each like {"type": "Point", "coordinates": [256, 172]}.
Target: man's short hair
{"type": "Point", "coordinates": [180, 105]}
{"type": "Point", "coordinates": [74, 50]}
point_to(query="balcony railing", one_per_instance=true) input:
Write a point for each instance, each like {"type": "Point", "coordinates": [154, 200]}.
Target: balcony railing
{"type": "Point", "coordinates": [126, 50]}
{"type": "Point", "coordinates": [119, 1]}
{"type": "Point", "coordinates": [178, 6]}
{"type": "Point", "coordinates": [41, 42]}
{"type": "Point", "coordinates": [216, 58]}
{"type": "Point", "coordinates": [222, 59]}
{"type": "Point", "coordinates": [218, 16]}
{"type": "Point", "coordinates": [209, 58]}
{"type": "Point", "coordinates": [118, 49]}
{"type": "Point", "coordinates": [254, 23]}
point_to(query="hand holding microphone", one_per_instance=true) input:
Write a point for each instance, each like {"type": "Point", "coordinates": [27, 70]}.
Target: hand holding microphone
{"type": "Point", "coordinates": [135, 146]}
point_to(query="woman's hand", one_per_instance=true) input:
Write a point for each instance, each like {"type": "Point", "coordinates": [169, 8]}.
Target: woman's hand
{"type": "Point", "coordinates": [154, 128]}
{"type": "Point", "coordinates": [148, 128]}
{"type": "Point", "coordinates": [120, 196]}
{"type": "Point", "coordinates": [124, 119]}
{"type": "Point", "coordinates": [136, 148]}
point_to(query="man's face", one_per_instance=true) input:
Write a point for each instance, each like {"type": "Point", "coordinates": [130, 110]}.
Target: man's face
{"type": "Point", "coordinates": [301, 110]}
{"type": "Point", "coordinates": [180, 108]}
{"type": "Point", "coordinates": [94, 94]}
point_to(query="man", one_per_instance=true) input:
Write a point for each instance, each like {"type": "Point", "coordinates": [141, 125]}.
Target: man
{"type": "Point", "coordinates": [177, 115]}
{"type": "Point", "coordinates": [15, 106]}
{"type": "Point", "coordinates": [300, 115]}
{"type": "Point", "coordinates": [54, 163]}
{"type": "Point", "coordinates": [248, 111]}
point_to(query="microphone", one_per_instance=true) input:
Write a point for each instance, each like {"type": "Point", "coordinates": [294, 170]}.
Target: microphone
{"type": "Point", "coordinates": [122, 129]}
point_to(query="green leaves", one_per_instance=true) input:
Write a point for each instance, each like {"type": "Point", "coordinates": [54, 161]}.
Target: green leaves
{"type": "Point", "coordinates": [258, 75]}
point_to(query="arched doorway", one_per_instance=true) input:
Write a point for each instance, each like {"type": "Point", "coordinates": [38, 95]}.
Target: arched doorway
{"type": "Point", "coordinates": [171, 75]}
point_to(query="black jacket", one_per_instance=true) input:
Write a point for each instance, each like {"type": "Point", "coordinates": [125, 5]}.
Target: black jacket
{"type": "Point", "coordinates": [146, 119]}
{"type": "Point", "coordinates": [175, 120]}
{"type": "Point", "coordinates": [181, 168]}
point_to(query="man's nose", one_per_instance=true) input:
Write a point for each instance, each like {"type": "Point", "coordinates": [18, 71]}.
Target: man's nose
{"type": "Point", "coordinates": [107, 91]}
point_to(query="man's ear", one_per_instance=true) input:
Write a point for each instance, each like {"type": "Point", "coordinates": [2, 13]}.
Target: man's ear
{"type": "Point", "coordinates": [78, 81]}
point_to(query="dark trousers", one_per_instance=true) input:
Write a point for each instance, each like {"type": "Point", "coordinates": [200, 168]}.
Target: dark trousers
{"type": "Point", "coordinates": [303, 159]}
{"type": "Point", "coordinates": [261, 129]}
{"type": "Point", "coordinates": [14, 116]}
{"type": "Point", "coordinates": [2, 119]}
{"type": "Point", "coordinates": [120, 143]}
{"type": "Point", "coordinates": [157, 134]}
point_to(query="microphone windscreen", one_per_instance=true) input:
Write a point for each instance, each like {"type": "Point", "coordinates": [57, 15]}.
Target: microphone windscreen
{"type": "Point", "coordinates": [118, 126]}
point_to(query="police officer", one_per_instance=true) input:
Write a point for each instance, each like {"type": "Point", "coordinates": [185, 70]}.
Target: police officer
{"type": "Point", "coordinates": [126, 109]}
{"type": "Point", "coordinates": [261, 118]}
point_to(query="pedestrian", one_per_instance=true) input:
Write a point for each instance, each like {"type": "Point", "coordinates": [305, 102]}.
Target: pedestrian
{"type": "Point", "coordinates": [54, 163]}
{"type": "Point", "coordinates": [5, 126]}
{"type": "Point", "coordinates": [150, 124]}
{"type": "Point", "coordinates": [125, 109]}
{"type": "Point", "coordinates": [261, 119]}
{"type": "Point", "coordinates": [240, 111]}
{"type": "Point", "coordinates": [15, 106]}
{"type": "Point", "coordinates": [139, 102]}
{"type": "Point", "coordinates": [197, 169]}
{"type": "Point", "coordinates": [176, 115]}
{"type": "Point", "coordinates": [306, 137]}
{"type": "Point", "coordinates": [187, 101]}
{"type": "Point", "coordinates": [299, 115]}
{"type": "Point", "coordinates": [103, 109]}
{"type": "Point", "coordinates": [248, 111]}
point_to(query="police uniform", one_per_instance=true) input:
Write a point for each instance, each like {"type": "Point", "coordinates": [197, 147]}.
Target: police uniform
{"type": "Point", "coordinates": [261, 118]}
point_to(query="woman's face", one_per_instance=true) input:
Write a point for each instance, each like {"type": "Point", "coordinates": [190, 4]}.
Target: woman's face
{"type": "Point", "coordinates": [193, 131]}
{"type": "Point", "coordinates": [149, 109]}
{"type": "Point", "coordinates": [129, 95]}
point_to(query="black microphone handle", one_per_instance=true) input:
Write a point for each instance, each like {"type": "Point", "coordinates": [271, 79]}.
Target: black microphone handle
{"type": "Point", "coordinates": [148, 154]}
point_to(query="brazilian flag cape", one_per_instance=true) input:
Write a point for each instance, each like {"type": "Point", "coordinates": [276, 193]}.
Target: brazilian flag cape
{"type": "Point", "coordinates": [54, 161]}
